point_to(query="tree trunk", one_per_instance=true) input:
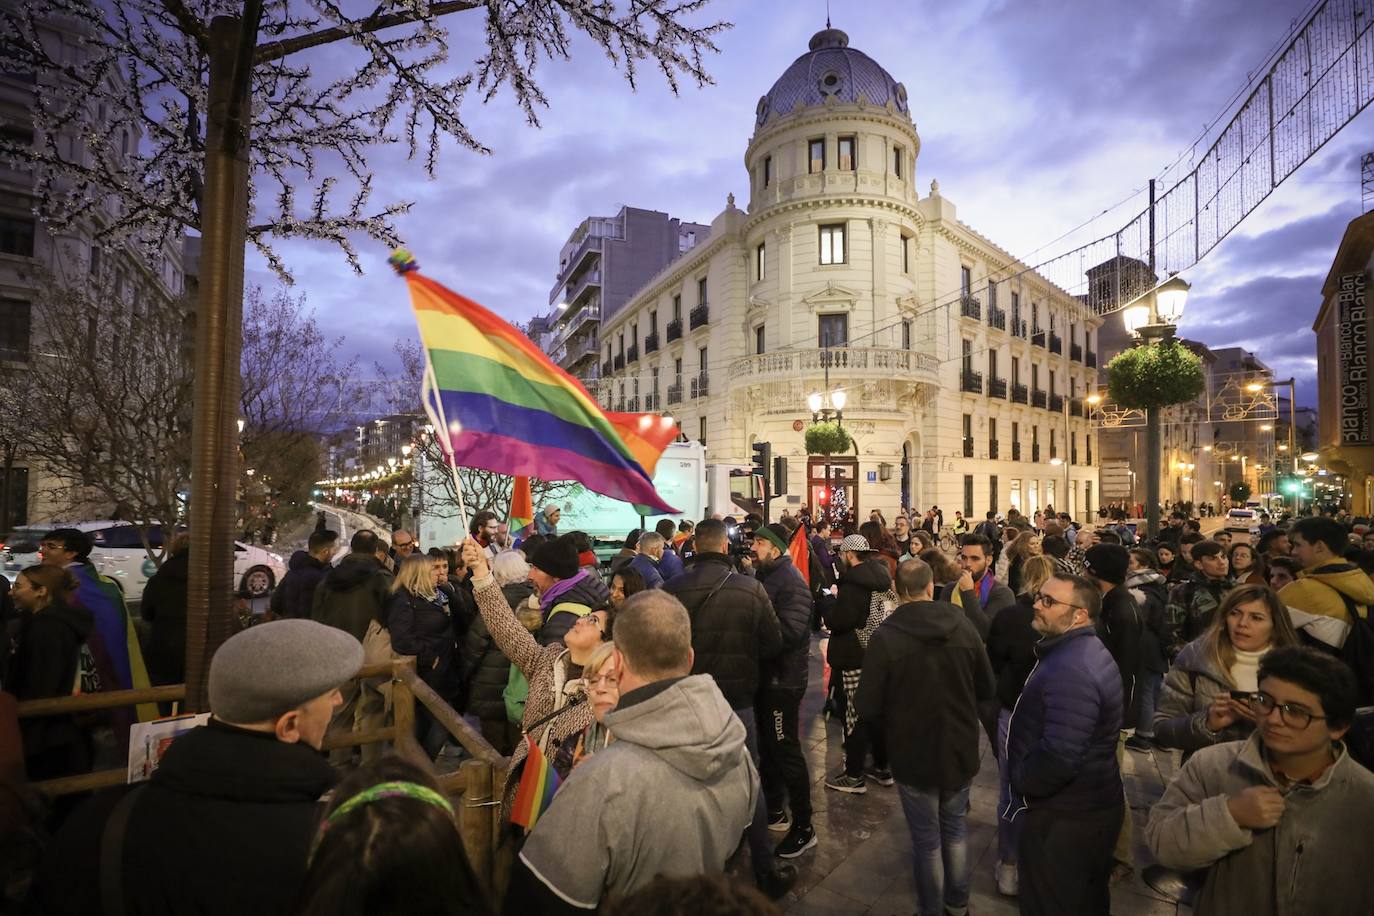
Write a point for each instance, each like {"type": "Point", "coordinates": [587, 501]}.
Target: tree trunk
{"type": "Point", "coordinates": [219, 342]}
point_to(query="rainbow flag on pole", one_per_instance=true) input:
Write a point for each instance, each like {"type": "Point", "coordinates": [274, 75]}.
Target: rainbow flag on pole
{"type": "Point", "coordinates": [521, 506]}
{"type": "Point", "coordinates": [538, 783]}
{"type": "Point", "coordinates": [499, 404]}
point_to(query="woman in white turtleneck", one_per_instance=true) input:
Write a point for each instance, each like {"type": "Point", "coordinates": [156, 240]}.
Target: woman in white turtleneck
{"type": "Point", "coordinates": [1197, 707]}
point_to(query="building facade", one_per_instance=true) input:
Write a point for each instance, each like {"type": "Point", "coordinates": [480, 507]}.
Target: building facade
{"type": "Point", "coordinates": [604, 261]}
{"type": "Point", "coordinates": [964, 373]}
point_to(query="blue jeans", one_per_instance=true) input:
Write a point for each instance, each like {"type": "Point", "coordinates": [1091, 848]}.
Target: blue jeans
{"type": "Point", "coordinates": [760, 842]}
{"type": "Point", "coordinates": [1008, 831]}
{"type": "Point", "coordinates": [939, 841]}
{"type": "Point", "coordinates": [1147, 690]}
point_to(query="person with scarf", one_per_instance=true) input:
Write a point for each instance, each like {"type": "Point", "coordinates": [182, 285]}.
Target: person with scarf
{"type": "Point", "coordinates": [565, 591]}
{"type": "Point", "coordinates": [977, 591]}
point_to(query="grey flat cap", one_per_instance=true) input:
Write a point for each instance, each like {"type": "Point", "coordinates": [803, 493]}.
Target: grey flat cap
{"type": "Point", "coordinates": [272, 668]}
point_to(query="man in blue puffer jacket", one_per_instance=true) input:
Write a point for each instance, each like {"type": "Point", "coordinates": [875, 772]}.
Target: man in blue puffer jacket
{"type": "Point", "coordinates": [1061, 748]}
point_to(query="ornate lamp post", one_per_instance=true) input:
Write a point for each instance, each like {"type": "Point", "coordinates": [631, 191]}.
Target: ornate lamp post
{"type": "Point", "coordinates": [825, 408]}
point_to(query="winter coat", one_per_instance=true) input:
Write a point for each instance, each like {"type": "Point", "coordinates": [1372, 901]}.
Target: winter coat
{"type": "Point", "coordinates": [644, 565]}
{"type": "Point", "coordinates": [925, 672]}
{"type": "Point", "coordinates": [1011, 649]}
{"type": "Point", "coordinates": [670, 564]}
{"type": "Point", "coordinates": [1061, 742]}
{"type": "Point", "coordinates": [589, 592]}
{"type": "Point", "coordinates": [847, 615]}
{"type": "Point", "coordinates": [1151, 595]}
{"type": "Point", "coordinates": [352, 595]}
{"type": "Point", "coordinates": [1192, 605]}
{"type": "Point", "coordinates": [164, 607]}
{"type": "Point", "coordinates": [424, 628]}
{"type": "Point", "coordinates": [1119, 627]}
{"type": "Point", "coordinates": [484, 668]}
{"type": "Point", "coordinates": [548, 671]}
{"type": "Point", "coordinates": [1193, 682]}
{"type": "Point", "coordinates": [734, 632]}
{"type": "Point", "coordinates": [296, 591]}
{"type": "Point", "coordinates": [1325, 590]}
{"type": "Point", "coordinates": [219, 791]}
{"type": "Point", "coordinates": [44, 665]}
{"type": "Point", "coordinates": [791, 601]}
{"type": "Point", "coordinates": [1311, 862]}
{"type": "Point", "coordinates": [999, 596]}
{"type": "Point", "coordinates": [678, 758]}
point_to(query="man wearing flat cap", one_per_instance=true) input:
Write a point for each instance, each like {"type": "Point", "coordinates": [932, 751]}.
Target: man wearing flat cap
{"type": "Point", "coordinates": [225, 823]}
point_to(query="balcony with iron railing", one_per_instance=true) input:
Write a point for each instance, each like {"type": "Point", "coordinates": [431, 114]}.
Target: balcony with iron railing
{"type": "Point", "coordinates": [632, 354]}
{"type": "Point", "coordinates": [861, 363]}
{"type": "Point", "coordinates": [970, 307]}
{"type": "Point", "coordinates": [606, 368]}
{"type": "Point", "coordinates": [1020, 394]}
{"type": "Point", "coordinates": [620, 362]}
{"type": "Point", "coordinates": [1016, 451]}
{"type": "Point", "coordinates": [701, 385]}
{"type": "Point", "coordinates": [619, 406]}
{"type": "Point", "coordinates": [1057, 403]}
{"type": "Point", "coordinates": [575, 319]}
{"type": "Point", "coordinates": [674, 330]}
{"type": "Point", "coordinates": [563, 290]}
{"type": "Point", "coordinates": [1056, 344]}
{"type": "Point", "coordinates": [997, 319]}
{"type": "Point", "coordinates": [1054, 450]}
{"type": "Point", "coordinates": [1076, 407]}
{"type": "Point", "coordinates": [1091, 359]}
{"type": "Point", "coordinates": [1018, 328]}
{"type": "Point", "coordinates": [582, 288]}
{"type": "Point", "coordinates": [579, 350]}
{"type": "Point", "coordinates": [1075, 455]}
{"type": "Point", "coordinates": [700, 316]}
{"type": "Point", "coordinates": [632, 405]}
{"type": "Point", "coordinates": [650, 344]}
{"type": "Point", "coordinates": [1035, 453]}
{"type": "Point", "coordinates": [968, 446]}
{"type": "Point", "coordinates": [992, 449]}
{"type": "Point", "coordinates": [997, 387]}
{"type": "Point", "coordinates": [1038, 337]}
{"type": "Point", "coordinates": [1076, 352]}
{"type": "Point", "coordinates": [652, 402]}
{"type": "Point", "coordinates": [675, 393]}
{"type": "Point", "coordinates": [1039, 398]}
{"type": "Point", "coordinates": [971, 381]}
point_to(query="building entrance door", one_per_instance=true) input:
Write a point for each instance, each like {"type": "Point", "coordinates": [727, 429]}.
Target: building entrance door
{"type": "Point", "coordinates": [835, 497]}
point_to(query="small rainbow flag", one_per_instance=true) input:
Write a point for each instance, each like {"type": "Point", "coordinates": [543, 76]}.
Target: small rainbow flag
{"type": "Point", "coordinates": [499, 404]}
{"type": "Point", "coordinates": [538, 782]}
{"type": "Point", "coordinates": [800, 551]}
{"type": "Point", "coordinates": [521, 505]}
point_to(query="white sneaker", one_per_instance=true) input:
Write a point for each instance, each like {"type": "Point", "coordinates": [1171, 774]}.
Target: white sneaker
{"type": "Point", "coordinates": [1008, 883]}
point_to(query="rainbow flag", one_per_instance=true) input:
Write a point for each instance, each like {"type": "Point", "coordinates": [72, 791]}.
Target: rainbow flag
{"type": "Point", "coordinates": [799, 549]}
{"type": "Point", "coordinates": [521, 506]}
{"type": "Point", "coordinates": [538, 782]}
{"type": "Point", "coordinates": [499, 404]}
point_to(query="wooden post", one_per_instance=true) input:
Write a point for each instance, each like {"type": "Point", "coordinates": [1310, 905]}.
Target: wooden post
{"type": "Point", "coordinates": [474, 818]}
{"type": "Point", "coordinates": [403, 711]}
{"type": "Point", "coordinates": [502, 854]}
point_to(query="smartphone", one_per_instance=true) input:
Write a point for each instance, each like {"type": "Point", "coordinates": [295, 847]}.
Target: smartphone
{"type": "Point", "coordinates": [1242, 695]}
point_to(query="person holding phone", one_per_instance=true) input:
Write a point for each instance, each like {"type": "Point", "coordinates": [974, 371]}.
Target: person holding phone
{"type": "Point", "coordinates": [1207, 690]}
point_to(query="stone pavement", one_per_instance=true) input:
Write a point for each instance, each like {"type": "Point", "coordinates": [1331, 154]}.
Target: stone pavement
{"type": "Point", "coordinates": [863, 862]}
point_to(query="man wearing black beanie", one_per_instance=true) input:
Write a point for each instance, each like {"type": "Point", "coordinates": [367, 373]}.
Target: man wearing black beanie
{"type": "Point", "coordinates": [565, 591]}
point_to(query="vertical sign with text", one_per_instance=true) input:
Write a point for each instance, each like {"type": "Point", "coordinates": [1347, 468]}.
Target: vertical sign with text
{"type": "Point", "coordinates": [1352, 352]}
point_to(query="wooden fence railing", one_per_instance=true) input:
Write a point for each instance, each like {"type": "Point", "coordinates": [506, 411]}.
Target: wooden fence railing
{"type": "Point", "coordinates": [475, 788]}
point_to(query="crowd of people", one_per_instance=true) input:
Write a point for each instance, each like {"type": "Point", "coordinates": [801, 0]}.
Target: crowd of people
{"type": "Point", "coordinates": [650, 708]}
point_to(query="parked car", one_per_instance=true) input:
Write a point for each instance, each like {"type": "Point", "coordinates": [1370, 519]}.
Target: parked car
{"type": "Point", "coordinates": [119, 554]}
{"type": "Point", "coordinates": [1246, 520]}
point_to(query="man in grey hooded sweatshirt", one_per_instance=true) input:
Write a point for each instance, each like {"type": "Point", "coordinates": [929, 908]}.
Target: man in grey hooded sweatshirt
{"type": "Point", "coordinates": [671, 795]}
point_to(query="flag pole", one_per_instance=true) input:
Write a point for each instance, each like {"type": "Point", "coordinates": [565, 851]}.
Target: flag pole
{"type": "Point", "coordinates": [435, 410]}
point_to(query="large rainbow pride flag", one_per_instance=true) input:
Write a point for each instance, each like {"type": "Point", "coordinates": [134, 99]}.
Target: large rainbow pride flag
{"type": "Point", "coordinates": [499, 404]}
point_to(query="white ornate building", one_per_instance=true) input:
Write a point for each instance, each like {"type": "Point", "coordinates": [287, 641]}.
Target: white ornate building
{"type": "Point", "coordinates": [965, 373]}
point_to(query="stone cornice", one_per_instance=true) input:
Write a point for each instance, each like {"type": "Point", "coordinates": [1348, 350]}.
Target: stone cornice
{"type": "Point", "coordinates": [833, 200]}
{"type": "Point", "coordinates": [820, 115]}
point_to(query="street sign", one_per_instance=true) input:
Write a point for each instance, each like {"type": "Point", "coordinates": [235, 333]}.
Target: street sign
{"type": "Point", "coordinates": [872, 476]}
{"type": "Point", "coordinates": [1114, 479]}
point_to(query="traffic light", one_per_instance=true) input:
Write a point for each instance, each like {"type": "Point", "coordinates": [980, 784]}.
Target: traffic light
{"type": "Point", "coordinates": [779, 476]}
{"type": "Point", "coordinates": [763, 460]}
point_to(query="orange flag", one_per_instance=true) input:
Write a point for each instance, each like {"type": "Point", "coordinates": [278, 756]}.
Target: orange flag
{"type": "Point", "coordinates": [800, 552]}
{"type": "Point", "coordinates": [521, 505]}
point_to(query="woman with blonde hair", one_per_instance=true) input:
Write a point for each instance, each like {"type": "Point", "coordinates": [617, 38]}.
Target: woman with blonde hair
{"type": "Point", "coordinates": [603, 690]}
{"type": "Point", "coordinates": [1026, 545]}
{"type": "Point", "coordinates": [419, 617]}
{"type": "Point", "coordinates": [1011, 649]}
{"type": "Point", "coordinates": [1205, 692]}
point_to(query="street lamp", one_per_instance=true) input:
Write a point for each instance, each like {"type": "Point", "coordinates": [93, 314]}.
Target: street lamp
{"type": "Point", "coordinates": [1153, 317]}
{"type": "Point", "coordinates": [825, 408]}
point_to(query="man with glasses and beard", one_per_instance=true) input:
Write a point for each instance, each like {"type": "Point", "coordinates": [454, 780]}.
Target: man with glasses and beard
{"type": "Point", "coordinates": [1061, 750]}
{"type": "Point", "coordinates": [1278, 820]}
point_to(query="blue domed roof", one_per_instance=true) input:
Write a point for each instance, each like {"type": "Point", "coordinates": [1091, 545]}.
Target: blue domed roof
{"type": "Point", "coordinates": [831, 68]}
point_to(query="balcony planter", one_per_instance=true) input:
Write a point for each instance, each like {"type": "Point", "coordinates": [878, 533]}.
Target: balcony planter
{"type": "Point", "coordinates": [827, 439]}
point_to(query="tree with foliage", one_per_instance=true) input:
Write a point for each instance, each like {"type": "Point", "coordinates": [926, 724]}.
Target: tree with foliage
{"type": "Point", "coordinates": [1239, 493]}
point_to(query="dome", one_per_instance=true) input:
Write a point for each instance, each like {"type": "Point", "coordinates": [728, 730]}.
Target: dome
{"type": "Point", "coordinates": [831, 69]}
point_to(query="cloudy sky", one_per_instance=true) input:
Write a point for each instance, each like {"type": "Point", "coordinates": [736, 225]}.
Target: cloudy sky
{"type": "Point", "coordinates": [1036, 117]}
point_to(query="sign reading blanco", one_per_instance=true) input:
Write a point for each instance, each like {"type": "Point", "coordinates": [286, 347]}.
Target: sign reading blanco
{"type": "Point", "coordinates": [1352, 351]}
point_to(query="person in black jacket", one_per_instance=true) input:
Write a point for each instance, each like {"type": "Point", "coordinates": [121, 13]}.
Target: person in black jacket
{"type": "Point", "coordinates": [251, 779]}
{"type": "Point", "coordinates": [46, 659]}
{"type": "Point", "coordinates": [295, 592]}
{"type": "Point", "coordinates": [420, 619]}
{"type": "Point", "coordinates": [862, 577]}
{"type": "Point", "coordinates": [1151, 592]}
{"type": "Point", "coordinates": [485, 668]}
{"type": "Point", "coordinates": [925, 672]}
{"type": "Point", "coordinates": [783, 774]}
{"type": "Point", "coordinates": [734, 632]}
{"type": "Point", "coordinates": [163, 608]}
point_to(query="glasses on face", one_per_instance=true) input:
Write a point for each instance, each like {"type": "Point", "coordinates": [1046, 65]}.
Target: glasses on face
{"type": "Point", "coordinates": [1049, 601]}
{"type": "Point", "coordinates": [608, 679]}
{"type": "Point", "coordinates": [1291, 715]}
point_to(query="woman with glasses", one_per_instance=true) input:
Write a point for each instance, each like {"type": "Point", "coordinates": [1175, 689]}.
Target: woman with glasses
{"type": "Point", "coordinates": [1247, 567]}
{"type": "Point", "coordinates": [603, 691]}
{"type": "Point", "coordinates": [1205, 698]}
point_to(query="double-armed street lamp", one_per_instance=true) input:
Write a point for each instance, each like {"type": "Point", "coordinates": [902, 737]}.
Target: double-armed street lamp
{"type": "Point", "coordinates": [1153, 318]}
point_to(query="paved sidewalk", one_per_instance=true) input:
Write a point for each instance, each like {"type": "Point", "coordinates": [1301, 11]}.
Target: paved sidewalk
{"type": "Point", "coordinates": [863, 862]}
